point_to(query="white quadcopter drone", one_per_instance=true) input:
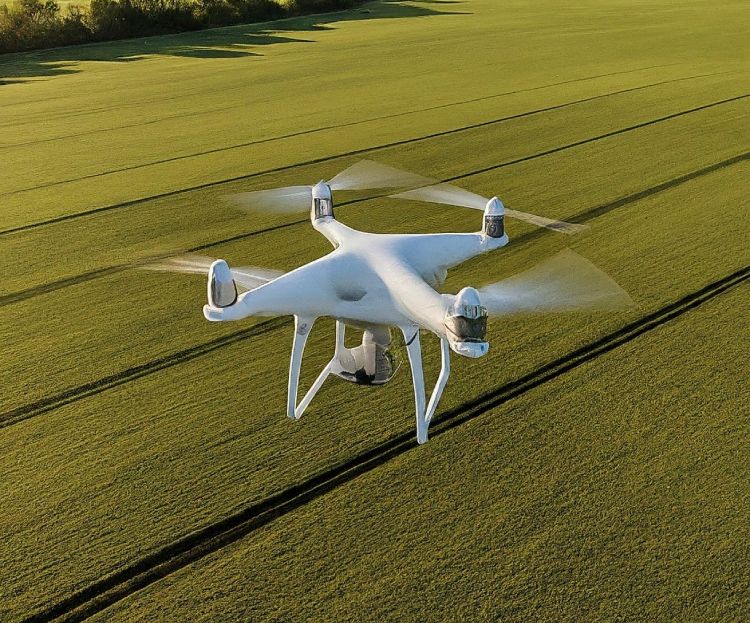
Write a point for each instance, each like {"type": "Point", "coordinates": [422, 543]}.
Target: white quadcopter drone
{"type": "Point", "coordinates": [375, 282]}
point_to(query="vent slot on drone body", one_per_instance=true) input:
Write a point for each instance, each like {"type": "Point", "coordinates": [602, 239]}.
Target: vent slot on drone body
{"type": "Point", "coordinates": [349, 292]}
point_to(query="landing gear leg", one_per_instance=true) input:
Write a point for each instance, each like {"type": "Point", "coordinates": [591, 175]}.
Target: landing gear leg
{"type": "Point", "coordinates": [302, 328]}
{"type": "Point", "coordinates": [301, 331]}
{"type": "Point", "coordinates": [445, 371]}
{"type": "Point", "coordinates": [414, 349]}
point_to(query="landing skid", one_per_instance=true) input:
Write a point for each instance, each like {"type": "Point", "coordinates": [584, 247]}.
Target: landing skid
{"type": "Point", "coordinates": [414, 349]}
{"type": "Point", "coordinates": [424, 413]}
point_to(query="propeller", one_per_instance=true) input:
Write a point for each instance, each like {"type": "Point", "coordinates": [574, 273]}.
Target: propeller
{"type": "Point", "coordinates": [453, 195]}
{"type": "Point", "coordinates": [248, 277]}
{"type": "Point", "coordinates": [362, 175]}
{"type": "Point", "coordinates": [565, 282]}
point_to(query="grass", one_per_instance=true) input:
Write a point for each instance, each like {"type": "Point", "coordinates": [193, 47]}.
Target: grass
{"type": "Point", "coordinates": [588, 509]}
{"type": "Point", "coordinates": [565, 517]}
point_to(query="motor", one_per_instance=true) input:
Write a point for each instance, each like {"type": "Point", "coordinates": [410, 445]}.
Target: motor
{"type": "Point", "coordinates": [466, 324]}
{"type": "Point", "coordinates": [494, 217]}
{"type": "Point", "coordinates": [322, 201]}
{"type": "Point", "coordinates": [222, 291]}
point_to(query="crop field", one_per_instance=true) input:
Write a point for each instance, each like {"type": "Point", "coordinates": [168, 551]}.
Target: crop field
{"type": "Point", "coordinates": [592, 467]}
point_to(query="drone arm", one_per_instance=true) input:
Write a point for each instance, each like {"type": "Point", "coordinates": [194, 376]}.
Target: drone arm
{"type": "Point", "coordinates": [333, 230]}
{"type": "Point", "coordinates": [419, 301]}
{"type": "Point", "coordinates": [434, 253]}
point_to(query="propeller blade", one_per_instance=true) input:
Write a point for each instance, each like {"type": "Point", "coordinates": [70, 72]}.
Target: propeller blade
{"type": "Point", "coordinates": [360, 176]}
{"type": "Point", "coordinates": [548, 223]}
{"type": "Point", "coordinates": [194, 265]}
{"type": "Point", "coordinates": [252, 277]}
{"type": "Point", "coordinates": [447, 194]}
{"type": "Point", "coordinates": [281, 200]}
{"type": "Point", "coordinates": [565, 282]}
{"type": "Point", "coordinates": [249, 277]}
{"type": "Point", "coordinates": [453, 195]}
{"type": "Point", "coordinates": [368, 174]}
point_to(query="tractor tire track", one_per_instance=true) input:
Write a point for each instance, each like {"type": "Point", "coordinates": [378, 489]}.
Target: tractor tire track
{"type": "Point", "coordinates": [605, 208]}
{"type": "Point", "coordinates": [160, 100]}
{"type": "Point", "coordinates": [59, 284]}
{"type": "Point", "coordinates": [593, 139]}
{"type": "Point", "coordinates": [195, 546]}
{"type": "Point", "coordinates": [80, 392]}
{"type": "Point", "coordinates": [270, 139]}
{"type": "Point", "coordinates": [92, 388]}
{"type": "Point", "coordinates": [242, 145]}
{"type": "Point", "coordinates": [581, 217]}
{"type": "Point", "coordinates": [314, 161]}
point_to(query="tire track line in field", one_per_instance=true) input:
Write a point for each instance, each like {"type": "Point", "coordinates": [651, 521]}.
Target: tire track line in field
{"type": "Point", "coordinates": [209, 539]}
{"type": "Point", "coordinates": [599, 137]}
{"type": "Point", "coordinates": [605, 208]}
{"type": "Point", "coordinates": [244, 144]}
{"type": "Point", "coordinates": [80, 392]}
{"type": "Point", "coordinates": [581, 217]}
{"type": "Point", "coordinates": [54, 401]}
{"type": "Point", "coordinates": [65, 282]}
{"type": "Point", "coordinates": [357, 152]}
{"type": "Point", "coordinates": [45, 115]}
{"type": "Point", "coordinates": [92, 388]}
{"type": "Point", "coordinates": [341, 125]}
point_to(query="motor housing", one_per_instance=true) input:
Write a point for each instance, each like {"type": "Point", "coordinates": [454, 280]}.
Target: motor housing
{"type": "Point", "coordinates": [222, 291]}
{"type": "Point", "coordinates": [322, 201]}
{"type": "Point", "coordinates": [494, 219]}
{"type": "Point", "coordinates": [466, 324]}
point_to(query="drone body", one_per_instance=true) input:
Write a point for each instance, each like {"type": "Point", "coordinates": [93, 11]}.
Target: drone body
{"type": "Point", "coordinates": [375, 282]}
{"type": "Point", "coordinates": [369, 279]}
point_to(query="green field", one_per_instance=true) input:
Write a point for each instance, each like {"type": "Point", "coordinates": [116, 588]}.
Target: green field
{"type": "Point", "coordinates": [591, 467]}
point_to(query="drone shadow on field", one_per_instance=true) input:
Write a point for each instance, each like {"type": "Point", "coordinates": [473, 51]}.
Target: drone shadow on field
{"type": "Point", "coordinates": [228, 42]}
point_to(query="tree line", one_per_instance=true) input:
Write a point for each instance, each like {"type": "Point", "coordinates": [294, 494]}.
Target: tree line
{"type": "Point", "coordinates": [35, 24]}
